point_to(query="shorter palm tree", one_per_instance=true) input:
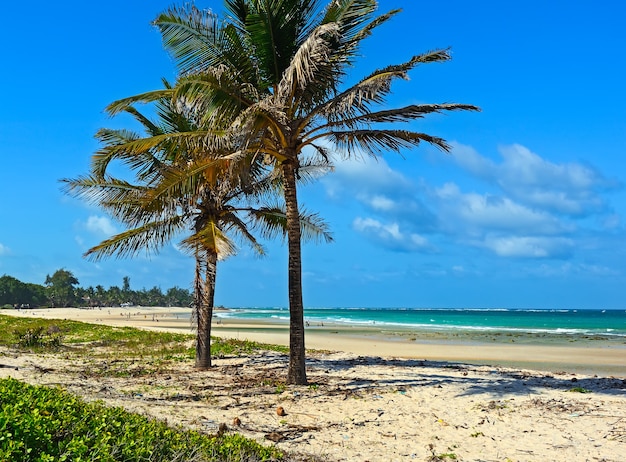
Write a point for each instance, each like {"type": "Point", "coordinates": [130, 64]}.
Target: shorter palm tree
{"type": "Point", "coordinates": [183, 190]}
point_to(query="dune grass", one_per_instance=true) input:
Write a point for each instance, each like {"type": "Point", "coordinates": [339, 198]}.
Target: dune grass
{"type": "Point", "coordinates": [46, 424]}
{"type": "Point", "coordinates": [80, 338]}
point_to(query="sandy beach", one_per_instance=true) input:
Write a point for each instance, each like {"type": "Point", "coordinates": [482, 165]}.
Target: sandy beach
{"type": "Point", "coordinates": [589, 357]}
{"type": "Point", "coordinates": [373, 396]}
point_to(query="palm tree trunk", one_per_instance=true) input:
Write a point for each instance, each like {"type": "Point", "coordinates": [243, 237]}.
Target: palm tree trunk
{"type": "Point", "coordinates": [204, 294]}
{"type": "Point", "coordinates": [297, 365]}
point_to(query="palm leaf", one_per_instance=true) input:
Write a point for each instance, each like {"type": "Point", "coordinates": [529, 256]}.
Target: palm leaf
{"type": "Point", "coordinates": [376, 142]}
{"type": "Point", "coordinates": [149, 237]}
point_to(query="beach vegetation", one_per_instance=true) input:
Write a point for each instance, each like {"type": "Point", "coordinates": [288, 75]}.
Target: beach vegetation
{"type": "Point", "coordinates": [272, 77]}
{"type": "Point", "coordinates": [100, 341]}
{"type": "Point", "coordinates": [46, 424]}
{"type": "Point", "coordinates": [447, 456]}
{"type": "Point", "coordinates": [38, 337]}
{"type": "Point", "coordinates": [579, 390]}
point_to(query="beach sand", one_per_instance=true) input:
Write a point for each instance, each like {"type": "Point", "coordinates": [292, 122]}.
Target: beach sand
{"type": "Point", "coordinates": [374, 396]}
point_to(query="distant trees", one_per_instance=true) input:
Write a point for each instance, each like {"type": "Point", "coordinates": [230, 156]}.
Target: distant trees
{"type": "Point", "coordinates": [14, 292]}
{"type": "Point", "coordinates": [62, 290]}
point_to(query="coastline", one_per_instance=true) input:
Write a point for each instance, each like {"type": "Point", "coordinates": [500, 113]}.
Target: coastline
{"type": "Point", "coordinates": [537, 352]}
{"type": "Point", "coordinates": [372, 396]}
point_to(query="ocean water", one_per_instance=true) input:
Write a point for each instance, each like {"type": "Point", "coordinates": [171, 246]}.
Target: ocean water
{"type": "Point", "coordinates": [608, 323]}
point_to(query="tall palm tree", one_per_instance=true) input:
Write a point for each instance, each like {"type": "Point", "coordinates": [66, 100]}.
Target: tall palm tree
{"type": "Point", "coordinates": [273, 72]}
{"type": "Point", "coordinates": [183, 188]}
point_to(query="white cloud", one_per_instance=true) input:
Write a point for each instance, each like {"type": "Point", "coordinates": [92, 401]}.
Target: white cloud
{"type": "Point", "coordinates": [567, 188]}
{"type": "Point", "coordinates": [100, 225]}
{"type": "Point", "coordinates": [4, 250]}
{"type": "Point", "coordinates": [522, 206]}
{"type": "Point", "coordinates": [379, 202]}
{"type": "Point", "coordinates": [362, 176]}
{"type": "Point", "coordinates": [529, 246]}
{"type": "Point", "coordinates": [491, 212]}
{"type": "Point", "coordinates": [390, 235]}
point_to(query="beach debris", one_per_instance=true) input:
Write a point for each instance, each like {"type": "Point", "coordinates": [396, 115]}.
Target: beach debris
{"type": "Point", "coordinates": [9, 366]}
{"type": "Point", "coordinates": [42, 369]}
{"type": "Point", "coordinates": [221, 429]}
{"type": "Point", "coordinates": [274, 436]}
{"type": "Point", "coordinates": [618, 432]}
{"type": "Point", "coordinates": [280, 411]}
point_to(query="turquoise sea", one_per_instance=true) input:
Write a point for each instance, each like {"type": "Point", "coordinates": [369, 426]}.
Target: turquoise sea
{"type": "Point", "coordinates": [607, 323]}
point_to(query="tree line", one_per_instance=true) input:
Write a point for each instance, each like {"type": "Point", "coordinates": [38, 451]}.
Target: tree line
{"type": "Point", "coordinates": [62, 290]}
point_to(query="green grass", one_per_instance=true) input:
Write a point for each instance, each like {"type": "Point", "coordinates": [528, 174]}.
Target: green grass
{"type": "Point", "coordinates": [95, 340]}
{"type": "Point", "coordinates": [48, 424]}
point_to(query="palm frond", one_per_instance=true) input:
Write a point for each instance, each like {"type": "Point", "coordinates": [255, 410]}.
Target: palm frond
{"type": "Point", "coordinates": [150, 237]}
{"type": "Point", "coordinates": [211, 238]}
{"type": "Point", "coordinates": [404, 114]}
{"type": "Point", "coordinates": [148, 97]}
{"type": "Point", "coordinates": [373, 88]}
{"type": "Point", "coordinates": [190, 35]}
{"type": "Point", "coordinates": [310, 62]}
{"type": "Point", "coordinates": [376, 142]}
{"type": "Point", "coordinates": [97, 190]}
{"type": "Point", "coordinates": [271, 221]}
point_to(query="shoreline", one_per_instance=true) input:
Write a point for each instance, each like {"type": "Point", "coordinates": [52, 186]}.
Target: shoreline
{"type": "Point", "coordinates": [371, 396]}
{"type": "Point", "coordinates": [557, 354]}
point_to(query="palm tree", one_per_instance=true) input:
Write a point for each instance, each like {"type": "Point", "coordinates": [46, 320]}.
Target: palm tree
{"type": "Point", "coordinates": [183, 189]}
{"type": "Point", "coordinates": [272, 71]}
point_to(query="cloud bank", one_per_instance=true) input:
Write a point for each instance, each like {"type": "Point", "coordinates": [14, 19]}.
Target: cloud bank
{"type": "Point", "coordinates": [519, 206]}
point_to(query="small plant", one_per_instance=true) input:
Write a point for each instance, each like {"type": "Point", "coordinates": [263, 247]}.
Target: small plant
{"type": "Point", "coordinates": [38, 337]}
{"type": "Point", "coordinates": [477, 434]}
{"type": "Point", "coordinates": [440, 457]}
{"type": "Point", "coordinates": [579, 390]}
{"type": "Point", "coordinates": [447, 455]}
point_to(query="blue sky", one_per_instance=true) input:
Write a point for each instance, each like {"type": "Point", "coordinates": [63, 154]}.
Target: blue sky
{"type": "Point", "coordinates": [528, 211]}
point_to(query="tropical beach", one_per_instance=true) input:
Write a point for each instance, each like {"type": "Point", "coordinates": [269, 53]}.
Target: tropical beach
{"type": "Point", "coordinates": [258, 128]}
{"type": "Point", "coordinates": [371, 397]}
{"type": "Point", "coordinates": [593, 354]}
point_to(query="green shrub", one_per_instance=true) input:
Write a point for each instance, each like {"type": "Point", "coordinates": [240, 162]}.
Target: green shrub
{"type": "Point", "coordinates": [579, 390]}
{"type": "Point", "coordinates": [38, 337]}
{"type": "Point", "coordinates": [48, 424]}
